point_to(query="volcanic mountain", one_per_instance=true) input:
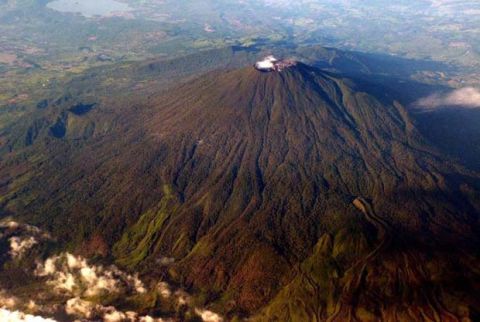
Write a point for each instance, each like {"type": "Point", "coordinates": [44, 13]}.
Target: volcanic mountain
{"type": "Point", "coordinates": [284, 196]}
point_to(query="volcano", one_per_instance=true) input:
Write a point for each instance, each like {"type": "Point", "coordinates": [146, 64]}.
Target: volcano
{"type": "Point", "coordinates": [283, 196]}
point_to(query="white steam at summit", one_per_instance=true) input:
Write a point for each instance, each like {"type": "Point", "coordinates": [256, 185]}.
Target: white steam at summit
{"type": "Point", "coordinates": [267, 63]}
{"type": "Point", "coordinates": [272, 64]}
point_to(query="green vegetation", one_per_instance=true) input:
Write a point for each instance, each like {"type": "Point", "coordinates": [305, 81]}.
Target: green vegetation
{"type": "Point", "coordinates": [139, 240]}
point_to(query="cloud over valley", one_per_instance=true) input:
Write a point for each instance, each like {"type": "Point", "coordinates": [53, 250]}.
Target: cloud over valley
{"type": "Point", "coordinates": [467, 97]}
{"type": "Point", "coordinates": [80, 290]}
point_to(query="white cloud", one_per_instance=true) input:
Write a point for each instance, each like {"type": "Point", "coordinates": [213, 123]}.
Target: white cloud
{"type": "Point", "coordinates": [75, 262]}
{"type": "Point", "coordinates": [164, 290]}
{"type": "Point", "coordinates": [114, 316]}
{"type": "Point", "coordinates": [73, 275]}
{"type": "Point", "coordinates": [74, 280]}
{"type": "Point", "coordinates": [21, 237]}
{"type": "Point", "coordinates": [25, 228]}
{"type": "Point", "coordinates": [19, 245]}
{"type": "Point", "coordinates": [78, 307]}
{"type": "Point", "coordinates": [208, 316]}
{"type": "Point", "coordinates": [89, 310]}
{"type": "Point", "coordinates": [7, 301]}
{"type": "Point", "coordinates": [65, 282]}
{"type": "Point", "coordinates": [10, 224]}
{"type": "Point", "coordinates": [467, 97]}
{"type": "Point", "coordinates": [150, 319]}
{"type": "Point", "coordinates": [32, 306]}
{"type": "Point", "coordinates": [183, 298]}
{"type": "Point", "coordinates": [68, 274]}
{"type": "Point", "coordinates": [14, 303]}
{"type": "Point", "coordinates": [17, 316]}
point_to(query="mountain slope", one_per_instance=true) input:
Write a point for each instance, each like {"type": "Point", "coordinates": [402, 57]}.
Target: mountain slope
{"type": "Point", "coordinates": [291, 194]}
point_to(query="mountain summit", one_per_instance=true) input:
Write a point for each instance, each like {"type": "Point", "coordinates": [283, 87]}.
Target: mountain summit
{"type": "Point", "coordinates": [293, 195]}
{"type": "Point", "coordinates": [270, 64]}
